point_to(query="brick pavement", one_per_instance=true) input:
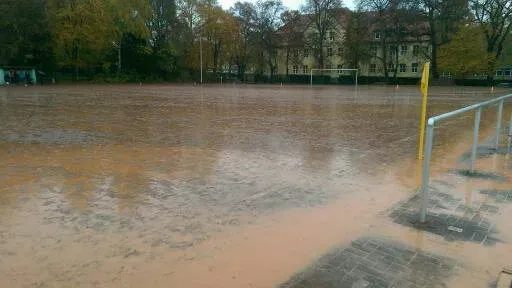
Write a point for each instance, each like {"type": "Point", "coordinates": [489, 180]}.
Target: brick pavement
{"type": "Point", "coordinates": [375, 262]}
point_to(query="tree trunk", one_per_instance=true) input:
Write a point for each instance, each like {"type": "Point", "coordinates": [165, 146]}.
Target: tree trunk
{"type": "Point", "coordinates": [242, 72]}
{"type": "Point", "coordinates": [396, 65]}
{"type": "Point", "coordinates": [385, 60]}
{"type": "Point", "coordinates": [490, 65]}
{"type": "Point", "coordinates": [490, 74]}
{"type": "Point", "coordinates": [216, 53]}
{"type": "Point", "coordinates": [231, 62]}
{"type": "Point", "coordinates": [321, 54]}
{"type": "Point", "coordinates": [74, 57]}
{"type": "Point", "coordinates": [270, 66]}
{"type": "Point", "coordinates": [287, 59]}
{"type": "Point", "coordinates": [119, 57]}
{"type": "Point", "coordinates": [239, 69]}
{"type": "Point", "coordinates": [433, 44]}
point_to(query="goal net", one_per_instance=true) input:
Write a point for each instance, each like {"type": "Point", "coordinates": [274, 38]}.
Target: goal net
{"type": "Point", "coordinates": [334, 76]}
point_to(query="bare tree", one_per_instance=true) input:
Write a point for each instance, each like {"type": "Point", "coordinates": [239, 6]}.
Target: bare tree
{"type": "Point", "coordinates": [245, 13]}
{"type": "Point", "coordinates": [444, 16]}
{"type": "Point", "coordinates": [266, 22]}
{"type": "Point", "coordinates": [392, 23]}
{"type": "Point", "coordinates": [495, 18]}
{"type": "Point", "coordinates": [355, 45]}
{"type": "Point", "coordinates": [291, 36]}
{"type": "Point", "coordinates": [378, 13]}
{"type": "Point", "coordinates": [220, 30]}
{"type": "Point", "coordinates": [323, 13]}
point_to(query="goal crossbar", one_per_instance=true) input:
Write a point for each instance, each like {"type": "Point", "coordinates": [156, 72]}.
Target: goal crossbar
{"type": "Point", "coordinates": [332, 69]}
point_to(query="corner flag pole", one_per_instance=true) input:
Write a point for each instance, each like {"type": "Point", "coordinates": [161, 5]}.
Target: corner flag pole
{"type": "Point", "coordinates": [424, 92]}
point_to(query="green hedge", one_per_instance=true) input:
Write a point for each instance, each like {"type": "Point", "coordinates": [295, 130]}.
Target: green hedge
{"type": "Point", "coordinates": [482, 82]}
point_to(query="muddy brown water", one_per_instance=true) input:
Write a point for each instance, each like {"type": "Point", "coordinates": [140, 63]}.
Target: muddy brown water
{"type": "Point", "coordinates": [214, 186]}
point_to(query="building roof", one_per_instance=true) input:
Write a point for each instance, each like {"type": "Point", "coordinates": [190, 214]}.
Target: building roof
{"type": "Point", "coordinates": [415, 25]}
{"type": "Point", "coordinates": [298, 24]}
{"type": "Point", "coordinates": [302, 21]}
{"type": "Point", "coordinates": [414, 30]}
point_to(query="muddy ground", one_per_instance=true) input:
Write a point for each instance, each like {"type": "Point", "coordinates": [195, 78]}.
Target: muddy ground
{"type": "Point", "coordinates": [214, 186]}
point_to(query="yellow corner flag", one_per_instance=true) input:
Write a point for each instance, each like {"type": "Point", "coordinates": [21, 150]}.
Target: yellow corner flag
{"type": "Point", "coordinates": [424, 79]}
{"type": "Point", "coordinates": [424, 92]}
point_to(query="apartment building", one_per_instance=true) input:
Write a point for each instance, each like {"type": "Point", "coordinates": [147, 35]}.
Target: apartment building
{"type": "Point", "coordinates": [405, 57]}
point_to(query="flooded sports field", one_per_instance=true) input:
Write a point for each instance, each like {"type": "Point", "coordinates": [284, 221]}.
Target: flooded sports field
{"type": "Point", "coordinates": [212, 186]}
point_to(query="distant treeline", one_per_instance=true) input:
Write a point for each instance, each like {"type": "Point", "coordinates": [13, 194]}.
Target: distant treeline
{"type": "Point", "coordinates": [160, 40]}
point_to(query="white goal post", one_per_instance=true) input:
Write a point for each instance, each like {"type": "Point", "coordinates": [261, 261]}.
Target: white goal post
{"type": "Point", "coordinates": [341, 69]}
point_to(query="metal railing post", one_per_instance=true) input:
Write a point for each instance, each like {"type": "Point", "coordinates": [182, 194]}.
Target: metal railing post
{"type": "Point", "coordinates": [426, 170]}
{"type": "Point", "coordinates": [476, 127]}
{"type": "Point", "coordinates": [498, 125]}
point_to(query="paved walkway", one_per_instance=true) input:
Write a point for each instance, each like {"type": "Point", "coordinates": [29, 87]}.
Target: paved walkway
{"type": "Point", "coordinates": [464, 243]}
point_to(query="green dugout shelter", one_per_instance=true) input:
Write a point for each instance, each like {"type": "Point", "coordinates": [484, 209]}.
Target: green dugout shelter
{"type": "Point", "coordinates": [7, 73]}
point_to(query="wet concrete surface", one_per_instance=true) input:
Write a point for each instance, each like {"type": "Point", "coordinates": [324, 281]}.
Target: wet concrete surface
{"type": "Point", "coordinates": [127, 179]}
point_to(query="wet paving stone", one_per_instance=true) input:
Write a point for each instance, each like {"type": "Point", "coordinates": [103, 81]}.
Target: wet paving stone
{"type": "Point", "coordinates": [449, 217]}
{"type": "Point", "coordinates": [387, 264]}
{"type": "Point", "coordinates": [484, 151]}
{"type": "Point", "coordinates": [499, 196]}
{"type": "Point", "coordinates": [481, 175]}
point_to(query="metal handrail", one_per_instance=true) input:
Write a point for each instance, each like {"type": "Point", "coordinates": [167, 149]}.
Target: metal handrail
{"type": "Point", "coordinates": [432, 120]}
{"type": "Point", "coordinates": [427, 154]}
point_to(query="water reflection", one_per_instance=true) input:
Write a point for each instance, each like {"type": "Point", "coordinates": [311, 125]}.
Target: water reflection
{"type": "Point", "coordinates": [175, 165]}
{"type": "Point", "coordinates": [122, 135]}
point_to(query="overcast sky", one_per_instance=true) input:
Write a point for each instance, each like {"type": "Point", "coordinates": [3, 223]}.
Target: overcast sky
{"type": "Point", "coordinates": [292, 4]}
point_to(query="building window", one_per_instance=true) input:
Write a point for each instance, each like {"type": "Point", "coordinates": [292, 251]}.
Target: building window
{"type": "Point", "coordinates": [390, 67]}
{"type": "Point", "coordinates": [373, 50]}
{"type": "Point", "coordinates": [340, 51]}
{"type": "Point", "coordinates": [306, 53]}
{"type": "Point", "coordinates": [331, 35]}
{"type": "Point", "coordinates": [305, 69]}
{"type": "Point", "coordinates": [340, 67]}
{"type": "Point", "coordinates": [403, 49]}
{"type": "Point", "coordinates": [414, 67]}
{"type": "Point", "coordinates": [295, 69]}
{"type": "Point", "coordinates": [329, 52]}
{"type": "Point", "coordinates": [295, 52]}
{"type": "Point", "coordinates": [508, 72]}
{"type": "Point", "coordinates": [373, 68]}
{"type": "Point", "coordinates": [376, 35]}
{"type": "Point", "coordinates": [403, 68]}
{"type": "Point", "coordinates": [499, 73]}
{"type": "Point", "coordinates": [415, 50]}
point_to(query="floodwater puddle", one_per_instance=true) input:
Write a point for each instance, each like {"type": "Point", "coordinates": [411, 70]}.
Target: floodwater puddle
{"type": "Point", "coordinates": [215, 186]}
